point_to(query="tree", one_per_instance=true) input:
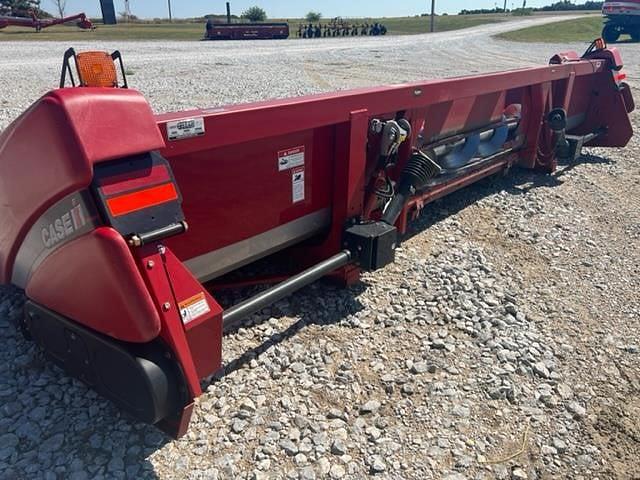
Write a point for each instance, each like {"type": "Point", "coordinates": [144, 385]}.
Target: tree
{"type": "Point", "coordinates": [61, 5]}
{"type": "Point", "coordinates": [255, 14]}
{"type": "Point", "coordinates": [19, 8]}
{"type": "Point", "coordinates": [313, 17]}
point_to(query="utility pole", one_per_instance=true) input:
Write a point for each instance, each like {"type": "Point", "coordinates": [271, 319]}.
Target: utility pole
{"type": "Point", "coordinates": [169, 3]}
{"type": "Point", "coordinates": [505, 6]}
{"type": "Point", "coordinates": [433, 16]}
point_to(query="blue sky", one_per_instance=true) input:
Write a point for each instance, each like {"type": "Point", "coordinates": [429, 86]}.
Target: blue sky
{"type": "Point", "coordinates": [288, 8]}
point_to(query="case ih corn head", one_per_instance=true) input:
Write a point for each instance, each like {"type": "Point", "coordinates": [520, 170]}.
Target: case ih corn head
{"type": "Point", "coordinates": [114, 218]}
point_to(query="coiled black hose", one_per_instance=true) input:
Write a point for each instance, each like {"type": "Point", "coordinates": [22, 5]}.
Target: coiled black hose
{"type": "Point", "coordinates": [416, 174]}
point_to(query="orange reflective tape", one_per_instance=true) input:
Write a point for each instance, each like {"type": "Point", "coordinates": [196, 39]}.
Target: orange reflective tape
{"type": "Point", "coordinates": [149, 197]}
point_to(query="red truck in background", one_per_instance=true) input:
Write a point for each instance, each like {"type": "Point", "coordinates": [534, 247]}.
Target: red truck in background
{"type": "Point", "coordinates": [621, 18]}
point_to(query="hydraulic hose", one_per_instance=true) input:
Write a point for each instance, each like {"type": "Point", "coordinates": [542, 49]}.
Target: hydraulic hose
{"type": "Point", "coordinates": [419, 170]}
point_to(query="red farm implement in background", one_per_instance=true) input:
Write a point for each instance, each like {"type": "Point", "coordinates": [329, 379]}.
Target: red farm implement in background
{"type": "Point", "coordinates": [247, 31]}
{"type": "Point", "coordinates": [33, 21]}
{"type": "Point", "coordinates": [130, 216]}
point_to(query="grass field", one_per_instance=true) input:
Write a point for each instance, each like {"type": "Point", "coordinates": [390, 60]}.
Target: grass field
{"type": "Point", "coordinates": [578, 30]}
{"type": "Point", "coordinates": [195, 31]}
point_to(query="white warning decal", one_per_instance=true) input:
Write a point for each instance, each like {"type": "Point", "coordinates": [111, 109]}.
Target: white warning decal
{"type": "Point", "coordinates": [287, 159]}
{"type": "Point", "coordinates": [186, 128]}
{"type": "Point", "coordinates": [193, 308]}
{"type": "Point", "coordinates": [297, 182]}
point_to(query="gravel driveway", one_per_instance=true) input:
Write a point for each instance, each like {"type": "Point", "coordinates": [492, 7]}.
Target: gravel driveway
{"type": "Point", "coordinates": [504, 343]}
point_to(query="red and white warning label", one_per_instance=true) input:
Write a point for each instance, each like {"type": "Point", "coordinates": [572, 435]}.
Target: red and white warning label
{"type": "Point", "coordinates": [193, 308]}
{"type": "Point", "coordinates": [297, 185]}
{"type": "Point", "coordinates": [291, 158]}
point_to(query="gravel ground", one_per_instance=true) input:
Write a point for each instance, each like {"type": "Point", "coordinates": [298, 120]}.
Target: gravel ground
{"type": "Point", "coordinates": [504, 343]}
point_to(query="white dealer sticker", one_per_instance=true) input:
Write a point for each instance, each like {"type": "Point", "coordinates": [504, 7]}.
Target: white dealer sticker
{"type": "Point", "coordinates": [186, 128]}
{"type": "Point", "coordinates": [297, 182]}
{"type": "Point", "coordinates": [193, 308]}
{"type": "Point", "coordinates": [293, 157]}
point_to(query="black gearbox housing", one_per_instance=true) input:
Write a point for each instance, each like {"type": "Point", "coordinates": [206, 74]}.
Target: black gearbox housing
{"type": "Point", "coordinates": [372, 245]}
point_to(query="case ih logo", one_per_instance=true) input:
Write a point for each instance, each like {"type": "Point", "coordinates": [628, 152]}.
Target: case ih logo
{"type": "Point", "coordinates": [64, 226]}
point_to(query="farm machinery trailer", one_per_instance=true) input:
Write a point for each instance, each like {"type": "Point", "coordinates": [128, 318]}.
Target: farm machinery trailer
{"type": "Point", "coordinates": [245, 31]}
{"type": "Point", "coordinates": [115, 221]}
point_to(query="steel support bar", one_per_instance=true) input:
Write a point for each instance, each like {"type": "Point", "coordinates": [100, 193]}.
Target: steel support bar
{"type": "Point", "coordinates": [235, 314]}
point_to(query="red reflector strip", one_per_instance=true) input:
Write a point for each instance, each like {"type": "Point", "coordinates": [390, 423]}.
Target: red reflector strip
{"type": "Point", "coordinates": [134, 180]}
{"type": "Point", "coordinates": [621, 76]}
{"type": "Point", "coordinates": [149, 197]}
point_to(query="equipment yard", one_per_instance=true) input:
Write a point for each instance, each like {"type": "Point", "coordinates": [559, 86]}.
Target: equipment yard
{"type": "Point", "coordinates": [503, 343]}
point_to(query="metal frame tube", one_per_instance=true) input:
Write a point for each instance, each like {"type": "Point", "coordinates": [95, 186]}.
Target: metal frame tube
{"type": "Point", "coordinates": [232, 317]}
